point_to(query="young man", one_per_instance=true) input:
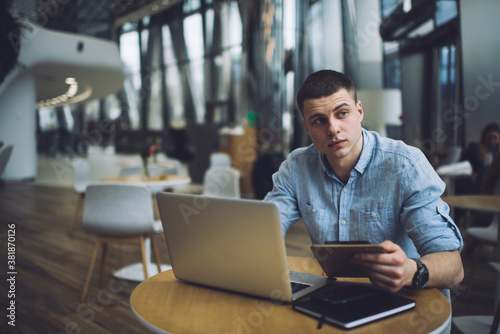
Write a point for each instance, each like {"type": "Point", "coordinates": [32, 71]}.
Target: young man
{"type": "Point", "coordinates": [352, 184]}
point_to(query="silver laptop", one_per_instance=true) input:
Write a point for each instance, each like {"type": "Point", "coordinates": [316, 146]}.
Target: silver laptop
{"type": "Point", "coordinates": [231, 244]}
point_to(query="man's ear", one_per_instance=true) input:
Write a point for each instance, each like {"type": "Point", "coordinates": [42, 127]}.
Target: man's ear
{"type": "Point", "coordinates": [305, 124]}
{"type": "Point", "coordinates": [361, 113]}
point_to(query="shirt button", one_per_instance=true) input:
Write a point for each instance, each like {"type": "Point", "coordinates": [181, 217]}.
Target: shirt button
{"type": "Point", "coordinates": [313, 210]}
{"type": "Point", "coordinates": [343, 222]}
{"type": "Point", "coordinates": [373, 215]}
{"type": "Point", "coordinates": [345, 190]}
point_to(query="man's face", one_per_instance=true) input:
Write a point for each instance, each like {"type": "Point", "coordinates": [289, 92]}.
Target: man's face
{"type": "Point", "coordinates": [334, 125]}
{"type": "Point", "coordinates": [492, 139]}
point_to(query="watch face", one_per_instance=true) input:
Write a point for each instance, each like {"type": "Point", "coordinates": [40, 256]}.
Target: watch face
{"type": "Point", "coordinates": [421, 276]}
{"type": "Point", "coordinates": [424, 277]}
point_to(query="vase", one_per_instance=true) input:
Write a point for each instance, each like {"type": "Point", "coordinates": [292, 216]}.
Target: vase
{"type": "Point", "coordinates": [145, 170]}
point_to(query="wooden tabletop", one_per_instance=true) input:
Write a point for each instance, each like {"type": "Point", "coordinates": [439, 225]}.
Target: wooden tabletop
{"type": "Point", "coordinates": [164, 304]}
{"type": "Point", "coordinates": [490, 203]}
{"type": "Point", "coordinates": [153, 180]}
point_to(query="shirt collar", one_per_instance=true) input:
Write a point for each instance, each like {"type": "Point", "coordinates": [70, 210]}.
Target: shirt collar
{"type": "Point", "coordinates": [366, 153]}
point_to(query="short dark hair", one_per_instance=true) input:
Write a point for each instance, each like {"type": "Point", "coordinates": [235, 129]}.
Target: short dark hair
{"type": "Point", "coordinates": [491, 127]}
{"type": "Point", "coordinates": [324, 83]}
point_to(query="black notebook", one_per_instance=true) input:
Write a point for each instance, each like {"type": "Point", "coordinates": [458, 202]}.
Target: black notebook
{"type": "Point", "coordinates": [353, 305]}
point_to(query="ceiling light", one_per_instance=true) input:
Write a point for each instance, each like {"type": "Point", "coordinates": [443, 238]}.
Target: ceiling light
{"type": "Point", "coordinates": [72, 90]}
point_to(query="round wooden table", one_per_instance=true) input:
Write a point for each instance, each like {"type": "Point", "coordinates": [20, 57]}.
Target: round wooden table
{"type": "Point", "coordinates": [166, 305]}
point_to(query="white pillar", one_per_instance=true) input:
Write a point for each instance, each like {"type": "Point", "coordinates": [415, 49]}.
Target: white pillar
{"type": "Point", "coordinates": [18, 127]}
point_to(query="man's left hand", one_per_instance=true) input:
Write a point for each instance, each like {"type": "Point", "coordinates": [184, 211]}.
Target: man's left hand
{"type": "Point", "coordinates": [391, 270]}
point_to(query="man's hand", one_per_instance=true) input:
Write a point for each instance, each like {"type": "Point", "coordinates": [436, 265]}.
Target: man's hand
{"type": "Point", "coordinates": [391, 270]}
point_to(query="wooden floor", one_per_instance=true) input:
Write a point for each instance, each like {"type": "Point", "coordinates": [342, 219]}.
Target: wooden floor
{"type": "Point", "coordinates": [50, 268]}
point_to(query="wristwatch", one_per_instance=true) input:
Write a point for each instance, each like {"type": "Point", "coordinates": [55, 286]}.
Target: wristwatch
{"type": "Point", "coordinates": [421, 277]}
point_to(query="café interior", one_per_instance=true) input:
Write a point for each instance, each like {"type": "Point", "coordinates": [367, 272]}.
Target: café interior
{"type": "Point", "coordinates": [169, 90]}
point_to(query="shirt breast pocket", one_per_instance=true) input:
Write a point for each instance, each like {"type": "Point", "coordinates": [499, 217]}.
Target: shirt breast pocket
{"type": "Point", "coordinates": [375, 225]}
{"type": "Point", "coordinates": [317, 223]}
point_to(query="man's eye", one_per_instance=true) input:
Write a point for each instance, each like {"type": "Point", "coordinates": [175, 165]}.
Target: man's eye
{"type": "Point", "coordinates": [319, 121]}
{"type": "Point", "coordinates": [342, 113]}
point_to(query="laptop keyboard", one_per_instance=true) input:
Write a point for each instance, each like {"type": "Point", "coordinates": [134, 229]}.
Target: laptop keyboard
{"type": "Point", "coordinates": [298, 286]}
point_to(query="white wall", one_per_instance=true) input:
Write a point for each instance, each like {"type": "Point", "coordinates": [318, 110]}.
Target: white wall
{"type": "Point", "coordinates": [369, 44]}
{"type": "Point", "coordinates": [480, 24]}
{"type": "Point", "coordinates": [412, 71]}
{"type": "Point", "coordinates": [49, 57]}
{"type": "Point", "coordinates": [18, 127]}
{"type": "Point", "coordinates": [332, 26]}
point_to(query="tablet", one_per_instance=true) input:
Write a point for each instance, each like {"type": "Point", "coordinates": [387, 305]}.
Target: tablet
{"type": "Point", "coordinates": [335, 259]}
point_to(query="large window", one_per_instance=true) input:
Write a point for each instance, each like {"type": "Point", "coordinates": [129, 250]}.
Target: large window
{"type": "Point", "coordinates": [446, 94]}
{"type": "Point", "coordinates": [130, 55]}
{"type": "Point", "coordinates": [173, 79]}
{"type": "Point", "coordinates": [190, 65]}
{"type": "Point", "coordinates": [193, 35]}
{"type": "Point", "coordinates": [445, 11]}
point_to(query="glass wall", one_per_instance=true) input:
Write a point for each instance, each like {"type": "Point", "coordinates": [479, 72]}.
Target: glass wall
{"type": "Point", "coordinates": [130, 55]}
{"type": "Point", "coordinates": [423, 41]}
{"type": "Point", "coordinates": [189, 68]}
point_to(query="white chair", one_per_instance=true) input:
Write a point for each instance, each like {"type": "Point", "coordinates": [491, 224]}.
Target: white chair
{"type": "Point", "coordinates": [451, 155]}
{"type": "Point", "coordinates": [119, 214]}
{"type": "Point", "coordinates": [173, 166]}
{"type": "Point", "coordinates": [220, 159]}
{"type": "Point", "coordinates": [477, 324]}
{"type": "Point", "coordinates": [5, 152]}
{"type": "Point", "coordinates": [81, 179]}
{"type": "Point", "coordinates": [222, 182]}
{"type": "Point", "coordinates": [482, 236]}
{"type": "Point", "coordinates": [137, 170]}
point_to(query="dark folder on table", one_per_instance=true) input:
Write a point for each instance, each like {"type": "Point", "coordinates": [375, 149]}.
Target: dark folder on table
{"type": "Point", "coordinates": [353, 305]}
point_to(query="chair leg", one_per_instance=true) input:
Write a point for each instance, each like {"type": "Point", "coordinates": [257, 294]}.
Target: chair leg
{"type": "Point", "coordinates": [156, 212]}
{"type": "Point", "coordinates": [103, 260]}
{"type": "Point", "coordinates": [143, 256]}
{"type": "Point", "coordinates": [78, 208]}
{"type": "Point", "coordinates": [496, 320]}
{"type": "Point", "coordinates": [155, 251]}
{"type": "Point", "coordinates": [91, 268]}
{"type": "Point", "coordinates": [472, 269]}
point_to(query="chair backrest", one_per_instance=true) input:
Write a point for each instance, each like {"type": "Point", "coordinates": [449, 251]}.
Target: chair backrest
{"type": "Point", "coordinates": [222, 182]}
{"type": "Point", "coordinates": [118, 209]}
{"type": "Point", "coordinates": [173, 166]}
{"type": "Point", "coordinates": [262, 173]}
{"type": "Point", "coordinates": [220, 159]}
{"type": "Point", "coordinates": [137, 170]}
{"type": "Point", "coordinates": [81, 175]}
{"type": "Point", "coordinates": [452, 155]}
{"type": "Point", "coordinates": [496, 189]}
{"type": "Point", "coordinates": [5, 152]}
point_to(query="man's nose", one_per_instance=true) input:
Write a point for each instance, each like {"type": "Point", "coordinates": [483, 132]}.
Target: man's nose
{"type": "Point", "coordinates": [333, 126]}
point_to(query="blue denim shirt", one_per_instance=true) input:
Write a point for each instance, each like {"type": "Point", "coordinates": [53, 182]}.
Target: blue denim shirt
{"type": "Point", "coordinates": [393, 193]}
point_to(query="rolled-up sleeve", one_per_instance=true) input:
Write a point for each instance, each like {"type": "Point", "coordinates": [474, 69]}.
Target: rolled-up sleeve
{"type": "Point", "coordinates": [425, 216]}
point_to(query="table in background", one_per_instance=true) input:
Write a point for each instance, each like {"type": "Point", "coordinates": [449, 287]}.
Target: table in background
{"type": "Point", "coordinates": [485, 203]}
{"type": "Point", "coordinates": [155, 183]}
{"type": "Point", "coordinates": [166, 305]}
{"type": "Point", "coordinates": [450, 179]}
